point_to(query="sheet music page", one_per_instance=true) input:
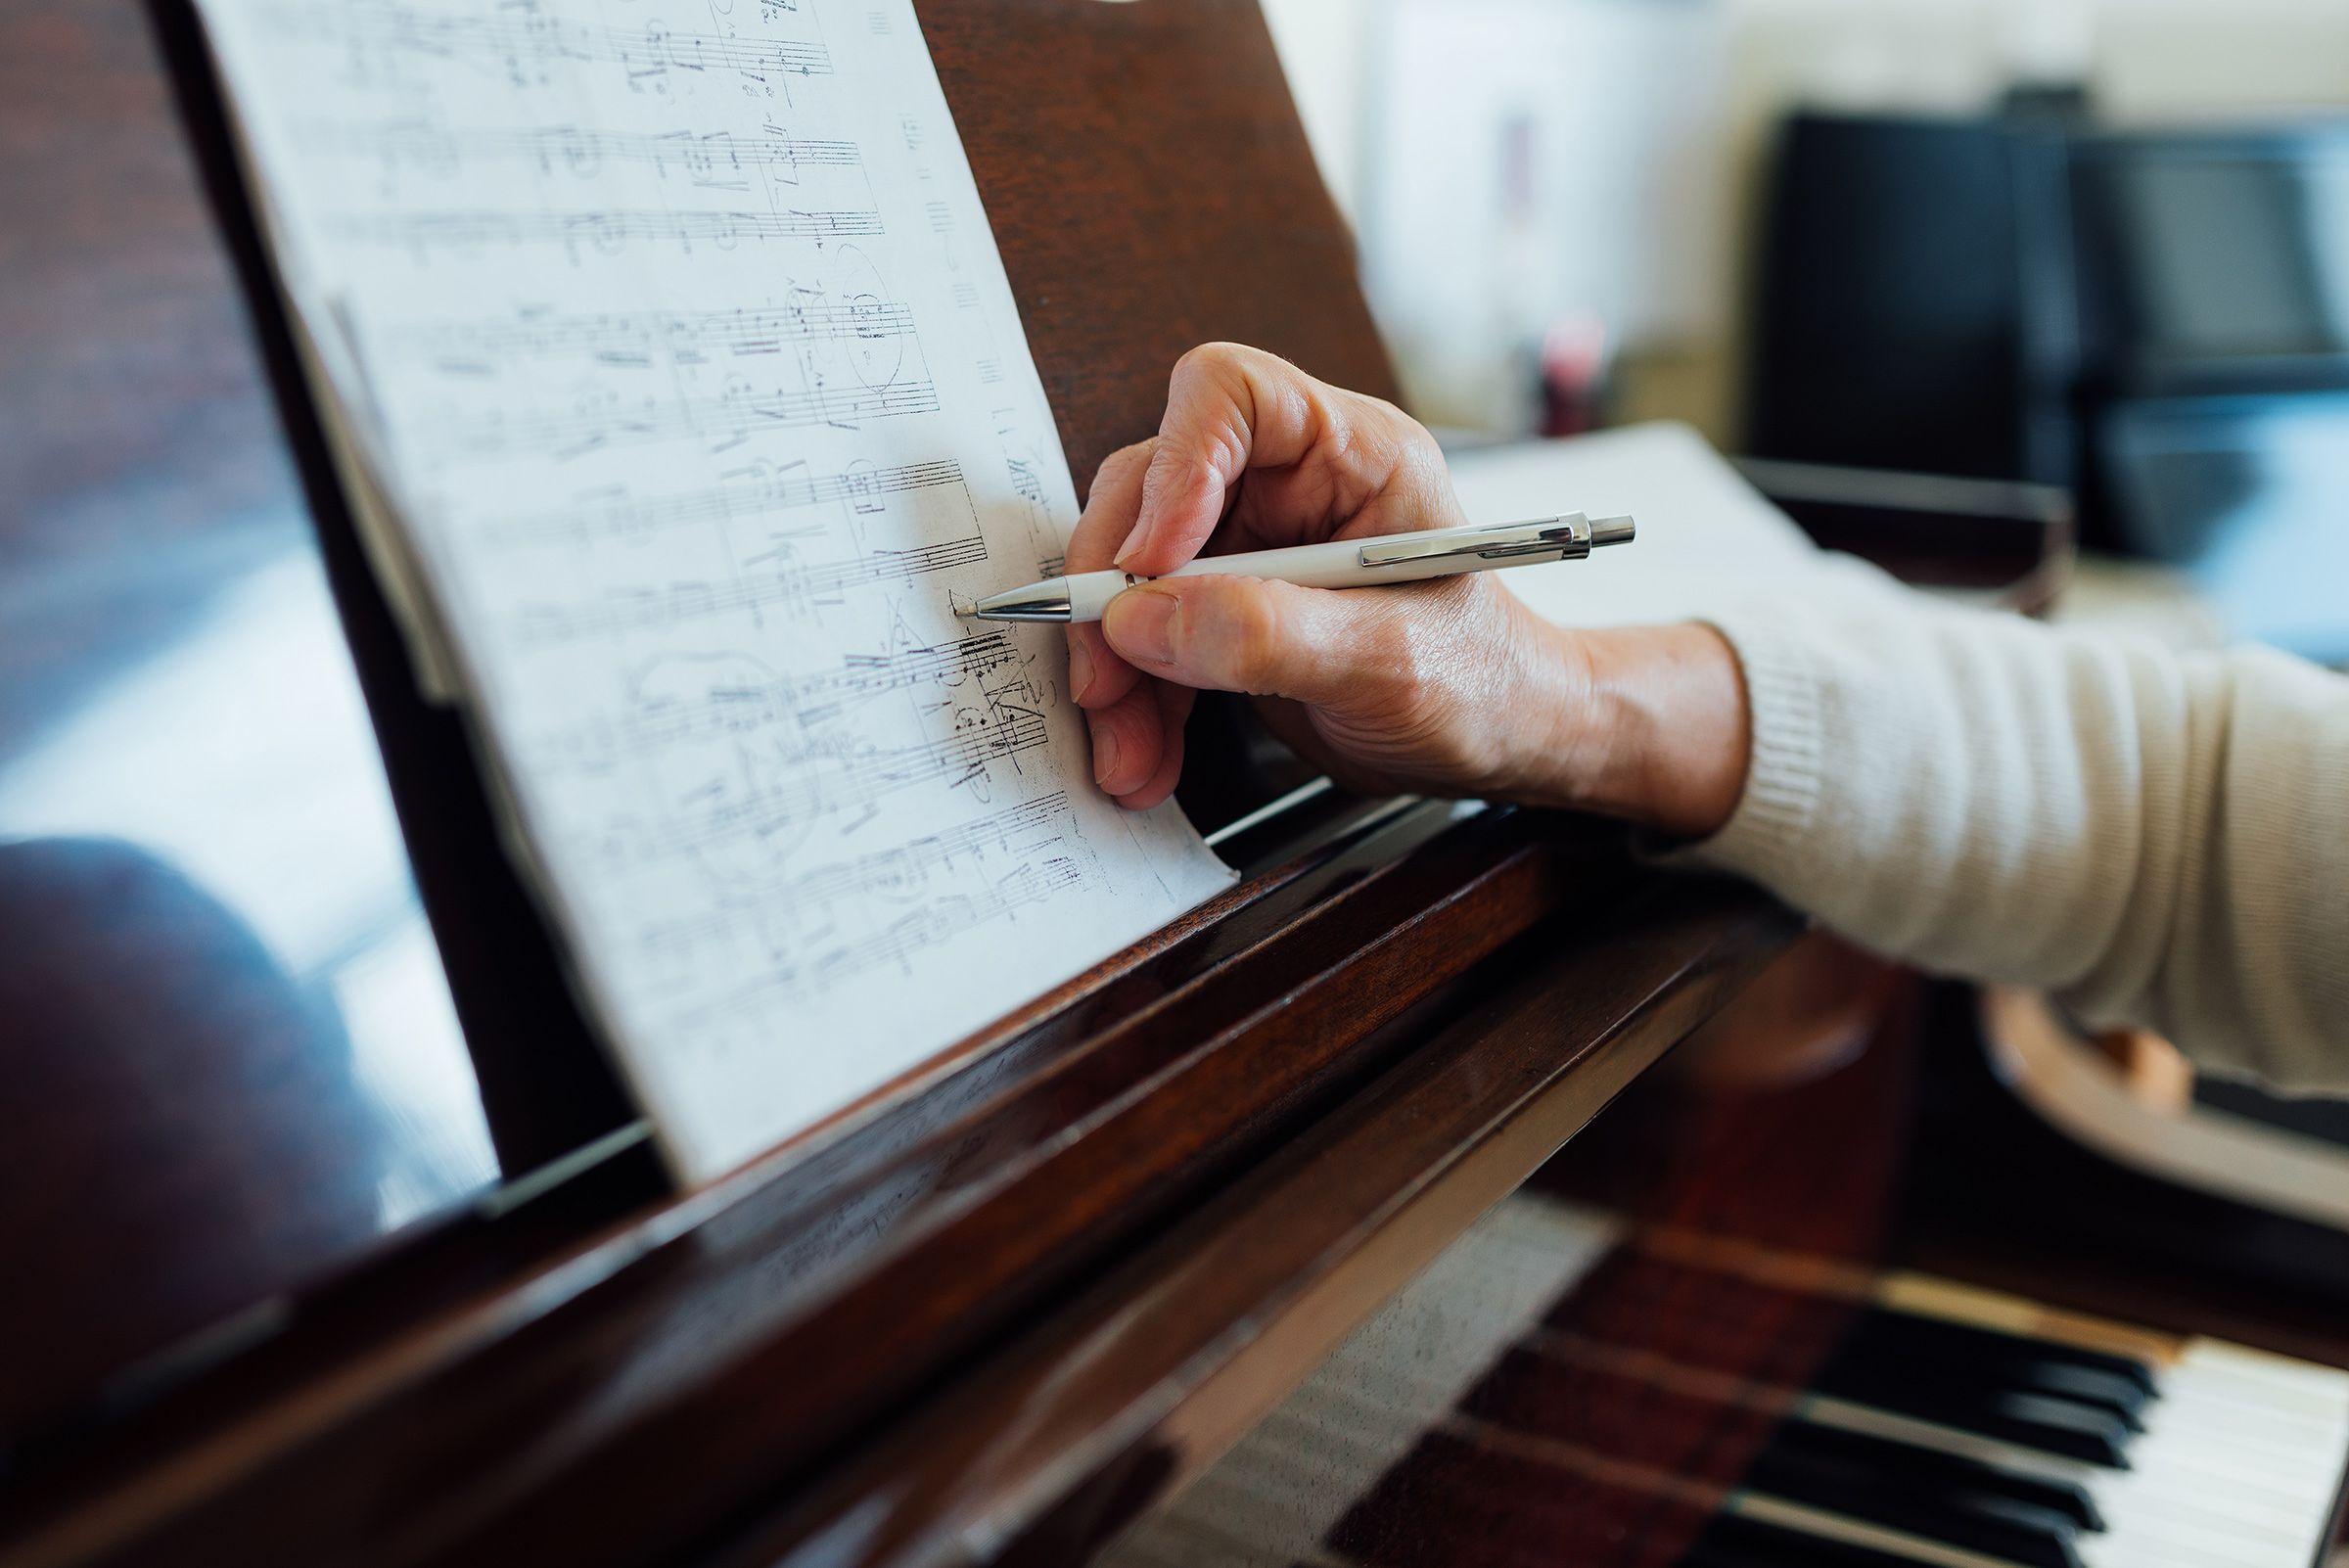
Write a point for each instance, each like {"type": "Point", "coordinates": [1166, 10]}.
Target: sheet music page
{"type": "Point", "coordinates": [677, 344]}
{"type": "Point", "coordinates": [1707, 539]}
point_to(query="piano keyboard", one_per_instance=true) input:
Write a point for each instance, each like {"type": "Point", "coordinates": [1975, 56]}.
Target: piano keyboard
{"type": "Point", "coordinates": [1553, 1391]}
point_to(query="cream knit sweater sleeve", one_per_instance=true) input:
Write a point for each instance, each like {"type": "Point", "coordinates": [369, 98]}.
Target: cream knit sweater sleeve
{"type": "Point", "coordinates": [2159, 839]}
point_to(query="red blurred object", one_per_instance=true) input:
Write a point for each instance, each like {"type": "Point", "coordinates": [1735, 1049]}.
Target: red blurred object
{"type": "Point", "coordinates": [1574, 369]}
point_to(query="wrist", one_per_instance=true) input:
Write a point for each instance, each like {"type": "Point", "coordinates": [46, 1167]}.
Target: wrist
{"type": "Point", "coordinates": [1661, 735]}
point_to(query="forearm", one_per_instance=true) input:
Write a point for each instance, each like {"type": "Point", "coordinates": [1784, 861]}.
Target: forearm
{"type": "Point", "coordinates": [2160, 840]}
{"type": "Point", "coordinates": [2163, 841]}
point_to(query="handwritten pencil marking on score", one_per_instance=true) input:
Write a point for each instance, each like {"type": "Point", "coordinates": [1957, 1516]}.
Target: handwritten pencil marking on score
{"type": "Point", "coordinates": [700, 399]}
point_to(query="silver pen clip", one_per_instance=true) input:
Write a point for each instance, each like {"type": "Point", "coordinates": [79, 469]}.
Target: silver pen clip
{"type": "Point", "coordinates": [1556, 538]}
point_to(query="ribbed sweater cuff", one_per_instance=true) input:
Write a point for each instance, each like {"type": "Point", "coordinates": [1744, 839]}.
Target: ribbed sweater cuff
{"type": "Point", "coordinates": [1766, 838]}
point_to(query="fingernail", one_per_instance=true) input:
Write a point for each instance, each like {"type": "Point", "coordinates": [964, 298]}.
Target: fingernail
{"type": "Point", "coordinates": [1080, 670]}
{"type": "Point", "coordinates": [1105, 753]}
{"type": "Point", "coordinates": [1141, 625]}
{"type": "Point", "coordinates": [1133, 547]}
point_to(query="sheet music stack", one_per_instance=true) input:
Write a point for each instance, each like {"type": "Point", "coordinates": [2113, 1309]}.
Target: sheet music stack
{"type": "Point", "coordinates": [677, 389]}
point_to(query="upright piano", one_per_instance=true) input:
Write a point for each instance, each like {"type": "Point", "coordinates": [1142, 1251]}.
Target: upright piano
{"type": "Point", "coordinates": [1295, 1234]}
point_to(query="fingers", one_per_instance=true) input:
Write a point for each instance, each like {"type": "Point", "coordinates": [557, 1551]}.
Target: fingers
{"type": "Point", "coordinates": [1135, 727]}
{"type": "Point", "coordinates": [1174, 712]}
{"type": "Point", "coordinates": [1272, 639]}
{"type": "Point", "coordinates": [1232, 409]}
{"type": "Point", "coordinates": [1111, 507]}
{"type": "Point", "coordinates": [1097, 676]}
{"type": "Point", "coordinates": [1128, 741]}
{"type": "Point", "coordinates": [1137, 743]}
{"type": "Point", "coordinates": [1253, 443]}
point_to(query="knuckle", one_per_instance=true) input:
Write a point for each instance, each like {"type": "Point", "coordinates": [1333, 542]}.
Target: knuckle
{"type": "Point", "coordinates": [1424, 458]}
{"type": "Point", "coordinates": [1109, 507]}
{"type": "Point", "coordinates": [1406, 431]}
{"type": "Point", "coordinates": [1399, 429]}
{"type": "Point", "coordinates": [1212, 359]}
{"type": "Point", "coordinates": [1122, 466]}
{"type": "Point", "coordinates": [1169, 472]}
{"type": "Point", "coordinates": [1200, 373]}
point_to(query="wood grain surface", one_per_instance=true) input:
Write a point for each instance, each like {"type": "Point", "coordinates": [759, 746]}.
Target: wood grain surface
{"type": "Point", "coordinates": [1134, 1213]}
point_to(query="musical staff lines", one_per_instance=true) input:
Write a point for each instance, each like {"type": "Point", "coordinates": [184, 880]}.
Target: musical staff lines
{"type": "Point", "coordinates": [606, 231]}
{"type": "Point", "coordinates": [705, 157]}
{"type": "Point", "coordinates": [749, 702]}
{"type": "Point", "coordinates": [484, 346]}
{"type": "Point", "coordinates": [693, 402]}
{"type": "Point", "coordinates": [727, 419]}
{"type": "Point", "coordinates": [899, 871]}
{"type": "Point", "coordinates": [628, 610]}
{"type": "Point", "coordinates": [519, 38]}
{"type": "Point", "coordinates": [836, 772]}
{"type": "Point", "coordinates": [865, 677]}
{"type": "Point", "coordinates": [951, 917]}
{"type": "Point", "coordinates": [627, 518]}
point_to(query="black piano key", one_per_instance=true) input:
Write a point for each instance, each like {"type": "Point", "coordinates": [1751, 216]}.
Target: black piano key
{"type": "Point", "coordinates": [1730, 1542]}
{"type": "Point", "coordinates": [1979, 1521]}
{"type": "Point", "coordinates": [2047, 1422]}
{"type": "Point", "coordinates": [1913, 1337]}
{"type": "Point", "coordinates": [2105, 1390]}
{"type": "Point", "coordinates": [2123, 1400]}
{"type": "Point", "coordinates": [1933, 1469]}
{"type": "Point", "coordinates": [1873, 1382]}
{"type": "Point", "coordinates": [1874, 1358]}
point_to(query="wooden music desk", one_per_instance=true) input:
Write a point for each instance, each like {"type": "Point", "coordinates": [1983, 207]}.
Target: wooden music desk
{"type": "Point", "coordinates": [329, 1236]}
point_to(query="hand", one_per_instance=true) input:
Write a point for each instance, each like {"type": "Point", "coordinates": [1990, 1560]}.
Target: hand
{"type": "Point", "coordinates": [1446, 687]}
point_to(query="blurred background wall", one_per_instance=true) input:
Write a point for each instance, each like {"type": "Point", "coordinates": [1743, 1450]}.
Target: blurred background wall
{"type": "Point", "coordinates": [1581, 176]}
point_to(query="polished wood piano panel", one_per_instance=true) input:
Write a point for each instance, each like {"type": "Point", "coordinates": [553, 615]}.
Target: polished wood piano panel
{"type": "Point", "coordinates": [350, 1249]}
{"type": "Point", "coordinates": [331, 1238]}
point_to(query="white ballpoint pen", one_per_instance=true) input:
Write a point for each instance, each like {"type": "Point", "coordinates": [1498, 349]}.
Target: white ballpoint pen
{"type": "Point", "coordinates": [1390, 558]}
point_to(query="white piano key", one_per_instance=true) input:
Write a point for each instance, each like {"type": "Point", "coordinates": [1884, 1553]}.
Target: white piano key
{"type": "Point", "coordinates": [2238, 1465]}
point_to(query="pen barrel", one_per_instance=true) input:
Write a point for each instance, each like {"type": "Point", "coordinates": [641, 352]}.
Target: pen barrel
{"type": "Point", "coordinates": [1308, 566]}
{"type": "Point", "coordinates": [1089, 592]}
{"type": "Point", "coordinates": [1377, 562]}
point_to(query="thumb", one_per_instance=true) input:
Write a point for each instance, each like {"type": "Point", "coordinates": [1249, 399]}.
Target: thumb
{"type": "Point", "coordinates": [1270, 639]}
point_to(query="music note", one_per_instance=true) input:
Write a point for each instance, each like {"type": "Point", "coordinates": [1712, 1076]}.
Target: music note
{"type": "Point", "coordinates": [697, 439]}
